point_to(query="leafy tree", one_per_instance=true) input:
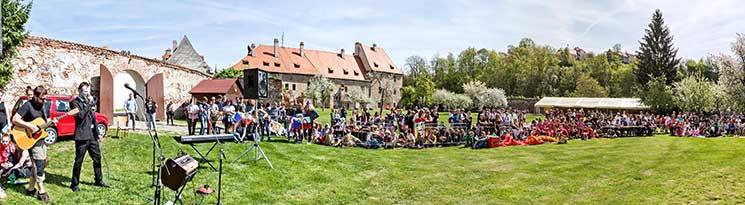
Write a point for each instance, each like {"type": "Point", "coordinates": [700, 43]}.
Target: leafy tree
{"type": "Point", "coordinates": [451, 100]}
{"type": "Point", "coordinates": [476, 90]}
{"type": "Point", "coordinates": [359, 97]}
{"type": "Point", "coordinates": [408, 96]}
{"type": "Point", "coordinates": [481, 96]}
{"type": "Point", "coordinates": [702, 68]}
{"type": "Point", "coordinates": [658, 96]}
{"type": "Point", "coordinates": [589, 87]}
{"type": "Point", "coordinates": [229, 73]}
{"type": "Point", "coordinates": [319, 89]}
{"type": "Point", "coordinates": [695, 94]}
{"type": "Point", "coordinates": [732, 70]}
{"type": "Point", "coordinates": [657, 57]}
{"type": "Point", "coordinates": [15, 14]}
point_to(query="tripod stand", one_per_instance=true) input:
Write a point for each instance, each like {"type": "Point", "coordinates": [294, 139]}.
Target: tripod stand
{"type": "Point", "coordinates": [258, 152]}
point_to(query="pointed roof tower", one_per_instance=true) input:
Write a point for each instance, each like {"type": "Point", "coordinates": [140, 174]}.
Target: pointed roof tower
{"type": "Point", "coordinates": [185, 55]}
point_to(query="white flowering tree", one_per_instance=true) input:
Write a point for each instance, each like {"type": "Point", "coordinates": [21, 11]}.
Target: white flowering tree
{"type": "Point", "coordinates": [451, 100]}
{"type": "Point", "coordinates": [695, 94]}
{"type": "Point", "coordinates": [357, 96]}
{"type": "Point", "coordinates": [319, 90]}
{"type": "Point", "coordinates": [482, 96]}
{"type": "Point", "coordinates": [732, 74]}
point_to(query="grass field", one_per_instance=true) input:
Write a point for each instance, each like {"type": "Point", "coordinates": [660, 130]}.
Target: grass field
{"type": "Point", "coordinates": [649, 170]}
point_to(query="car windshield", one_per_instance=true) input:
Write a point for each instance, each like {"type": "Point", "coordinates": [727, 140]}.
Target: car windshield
{"type": "Point", "coordinates": [47, 103]}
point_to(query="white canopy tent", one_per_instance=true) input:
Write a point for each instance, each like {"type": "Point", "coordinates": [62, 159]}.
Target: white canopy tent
{"type": "Point", "coordinates": [548, 103]}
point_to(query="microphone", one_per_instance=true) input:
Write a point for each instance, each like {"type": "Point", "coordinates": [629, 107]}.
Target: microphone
{"type": "Point", "coordinates": [126, 85]}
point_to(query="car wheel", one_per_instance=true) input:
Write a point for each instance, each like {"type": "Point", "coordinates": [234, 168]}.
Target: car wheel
{"type": "Point", "coordinates": [101, 129]}
{"type": "Point", "coordinates": [51, 136]}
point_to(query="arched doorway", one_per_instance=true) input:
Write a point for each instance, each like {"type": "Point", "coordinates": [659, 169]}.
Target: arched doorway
{"type": "Point", "coordinates": [121, 94]}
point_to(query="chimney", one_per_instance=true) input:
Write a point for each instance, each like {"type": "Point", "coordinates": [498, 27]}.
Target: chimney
{"type": "Point", "coordinates": [174, 46]}
{"type": "Point", "coordinates": [302, 49]}
{"type": "Point", "coordinates": [341, 53]}
{"type": "Point", "coordinates": [276, 48]}
{"type": "Point", "coordinates": [357, 48]}
{"type": "Point", "coordinates": [251, 49]}
{"type": "Point", "coordinates": [202, 57]}
{"type": "Point", "coordinates": [167, 55]}
{"type": "Point", "coordinates": [374, 46]}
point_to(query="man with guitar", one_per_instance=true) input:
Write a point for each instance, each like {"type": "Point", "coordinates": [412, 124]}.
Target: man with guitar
{"type": "Point", "coordinates": [86, 137]}
{"type": "Point", "coordinates": [30, 121]}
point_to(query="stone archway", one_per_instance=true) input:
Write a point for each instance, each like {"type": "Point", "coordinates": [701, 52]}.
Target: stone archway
{"type": "Point", "coordinates": [120, 94]}
{"type": "Point", "coordinates": [113, 93]}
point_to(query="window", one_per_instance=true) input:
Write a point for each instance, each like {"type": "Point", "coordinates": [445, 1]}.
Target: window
{"type": "Point", "coordinates": [346, 72]}
{"type": "Point", "coordinates": [392, 67]}
{"type": "Point", "coordinates": [296, 65]}
{"type": "Point", "coordinates": [63, 105]}
{"type": "Point", "coordinates": [375, 64]}
{"type": "Point", "coordinates": [266, 63]}
{"type": "Point", "coordinates": [293, 86]}
{"type": "Point", "coordinates": [331, 70]}
{"type": "Point", "coordinates": [276, 64]}
{"type": "Point", "coordinates": [395, 79]}
{"type": "Point", "coordinates": [356, 73]}
{"type": "Point", "coordinates": [394, 92]}
{"type": "Point", "coordinates": [287, 86]}
{"type": "Point", "coordinates": [245, 62]}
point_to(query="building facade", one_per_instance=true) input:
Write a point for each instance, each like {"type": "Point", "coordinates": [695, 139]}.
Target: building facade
{"type": "Point", "coordinates": [60, 66]}
{"type": "Point", "coordinates": [367, 69]}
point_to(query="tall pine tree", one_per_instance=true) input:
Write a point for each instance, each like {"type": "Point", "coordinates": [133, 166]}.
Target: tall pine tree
{"type": "Point", "coordinates": [657, 57]}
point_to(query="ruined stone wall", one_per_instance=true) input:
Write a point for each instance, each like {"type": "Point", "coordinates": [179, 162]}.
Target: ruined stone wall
{"type": "Point", "coordinates": [61, 66]}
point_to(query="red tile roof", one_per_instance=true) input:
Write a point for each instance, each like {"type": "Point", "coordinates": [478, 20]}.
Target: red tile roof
{"type": "Point", "coordinates": [334, 65]}
{"type": "Point", "coordinates": [379, 60]}
{"type": "Point", "coordinates": [288, 62]}
{"type": "Point", "coordinates": [221, 86]}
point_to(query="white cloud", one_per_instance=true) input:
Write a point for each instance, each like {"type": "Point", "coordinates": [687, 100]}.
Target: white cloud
{"type": "Point", "coordinates": [221, 30]}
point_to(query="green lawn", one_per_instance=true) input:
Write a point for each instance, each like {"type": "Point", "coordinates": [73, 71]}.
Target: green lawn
{"type": "Point", "coordinates": [649, 170]}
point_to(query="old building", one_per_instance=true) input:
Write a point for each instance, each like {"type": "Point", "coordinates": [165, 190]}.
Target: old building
{"type": "Point", "coordinates": [185, 55]}
{"type": "Point", "coordinates": [229, 88]}
{"type": "Point", "coordinates": [367, 69]}
{"type": "Point", "coordinates": [61, 66]}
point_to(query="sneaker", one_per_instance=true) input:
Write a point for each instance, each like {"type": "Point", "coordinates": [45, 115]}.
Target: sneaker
{"type": "Point", "coordinates": [101, 184]}
{"type": "Point", "coordinates": [45, 198]}
{"type": "Point", "coordinates": [30, 192]}
{"type": "Point", "coordinates": [75, 189]}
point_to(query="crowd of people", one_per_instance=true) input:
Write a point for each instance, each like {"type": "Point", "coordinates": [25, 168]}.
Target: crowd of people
{"type": "Point", "coordinates": [422, 127]}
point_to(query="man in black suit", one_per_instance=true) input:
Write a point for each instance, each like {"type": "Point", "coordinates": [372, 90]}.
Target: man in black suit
{"type": "Point", "coordinates": [86, 137]}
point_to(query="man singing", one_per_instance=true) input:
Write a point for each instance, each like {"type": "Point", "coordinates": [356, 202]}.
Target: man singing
{"type": "Point", "coordinates": [86, 137]}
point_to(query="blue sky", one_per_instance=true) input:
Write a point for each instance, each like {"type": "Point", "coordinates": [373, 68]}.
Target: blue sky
{"type": "Point", "coordinates": [221, 30]}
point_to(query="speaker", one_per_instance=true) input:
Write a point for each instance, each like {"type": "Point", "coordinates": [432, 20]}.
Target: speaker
{"type": "Point", "coordinates": [255, 84]}
{"type": "Point", "coordinates": [177, 171]}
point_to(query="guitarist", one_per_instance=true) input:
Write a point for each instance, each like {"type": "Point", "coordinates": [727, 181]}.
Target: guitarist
{"type": "Point", "coordinates": [86, 137]}
{"type": "Point", "coordinates": [32, 109]}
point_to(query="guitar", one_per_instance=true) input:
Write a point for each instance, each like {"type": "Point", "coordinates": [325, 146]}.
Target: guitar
{"type": "Point", "coordinates": [25, 139]}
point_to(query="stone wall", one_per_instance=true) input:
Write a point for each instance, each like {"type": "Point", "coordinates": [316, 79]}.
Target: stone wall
{"type": "Point", "coordinates": [61, 66]}
{"type": "Point", "coordinates": [387, 79]}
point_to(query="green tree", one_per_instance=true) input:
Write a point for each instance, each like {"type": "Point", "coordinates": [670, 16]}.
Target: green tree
{"type": "Point", "coordinates": [656, 54]}
{"type": "Point", "coordinates": [658, 96]}
{"type": "Point", "coordinates": [695, 94]}
{"type": "Point", "coordinates": [589, 87]}
{"type": "Point", "coordinates": [15, 14]}
{"type": "Point", "coordinates": [702, 68]}
{"type": "Point", "coordinates": [229, 73]}
{"type": "Point", "coordinates": [732, 78]}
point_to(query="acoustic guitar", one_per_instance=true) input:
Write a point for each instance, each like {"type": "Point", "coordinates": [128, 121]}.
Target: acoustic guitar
{"type": "Point", "coordinates": [25, 139]}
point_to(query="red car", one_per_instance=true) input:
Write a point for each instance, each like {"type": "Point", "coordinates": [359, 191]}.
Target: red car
{"type": "Point", "coordinates": [58, 106]}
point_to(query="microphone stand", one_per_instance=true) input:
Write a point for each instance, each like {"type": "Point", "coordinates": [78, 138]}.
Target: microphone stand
{"type": "Point", "coordinates": [153, 133]}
